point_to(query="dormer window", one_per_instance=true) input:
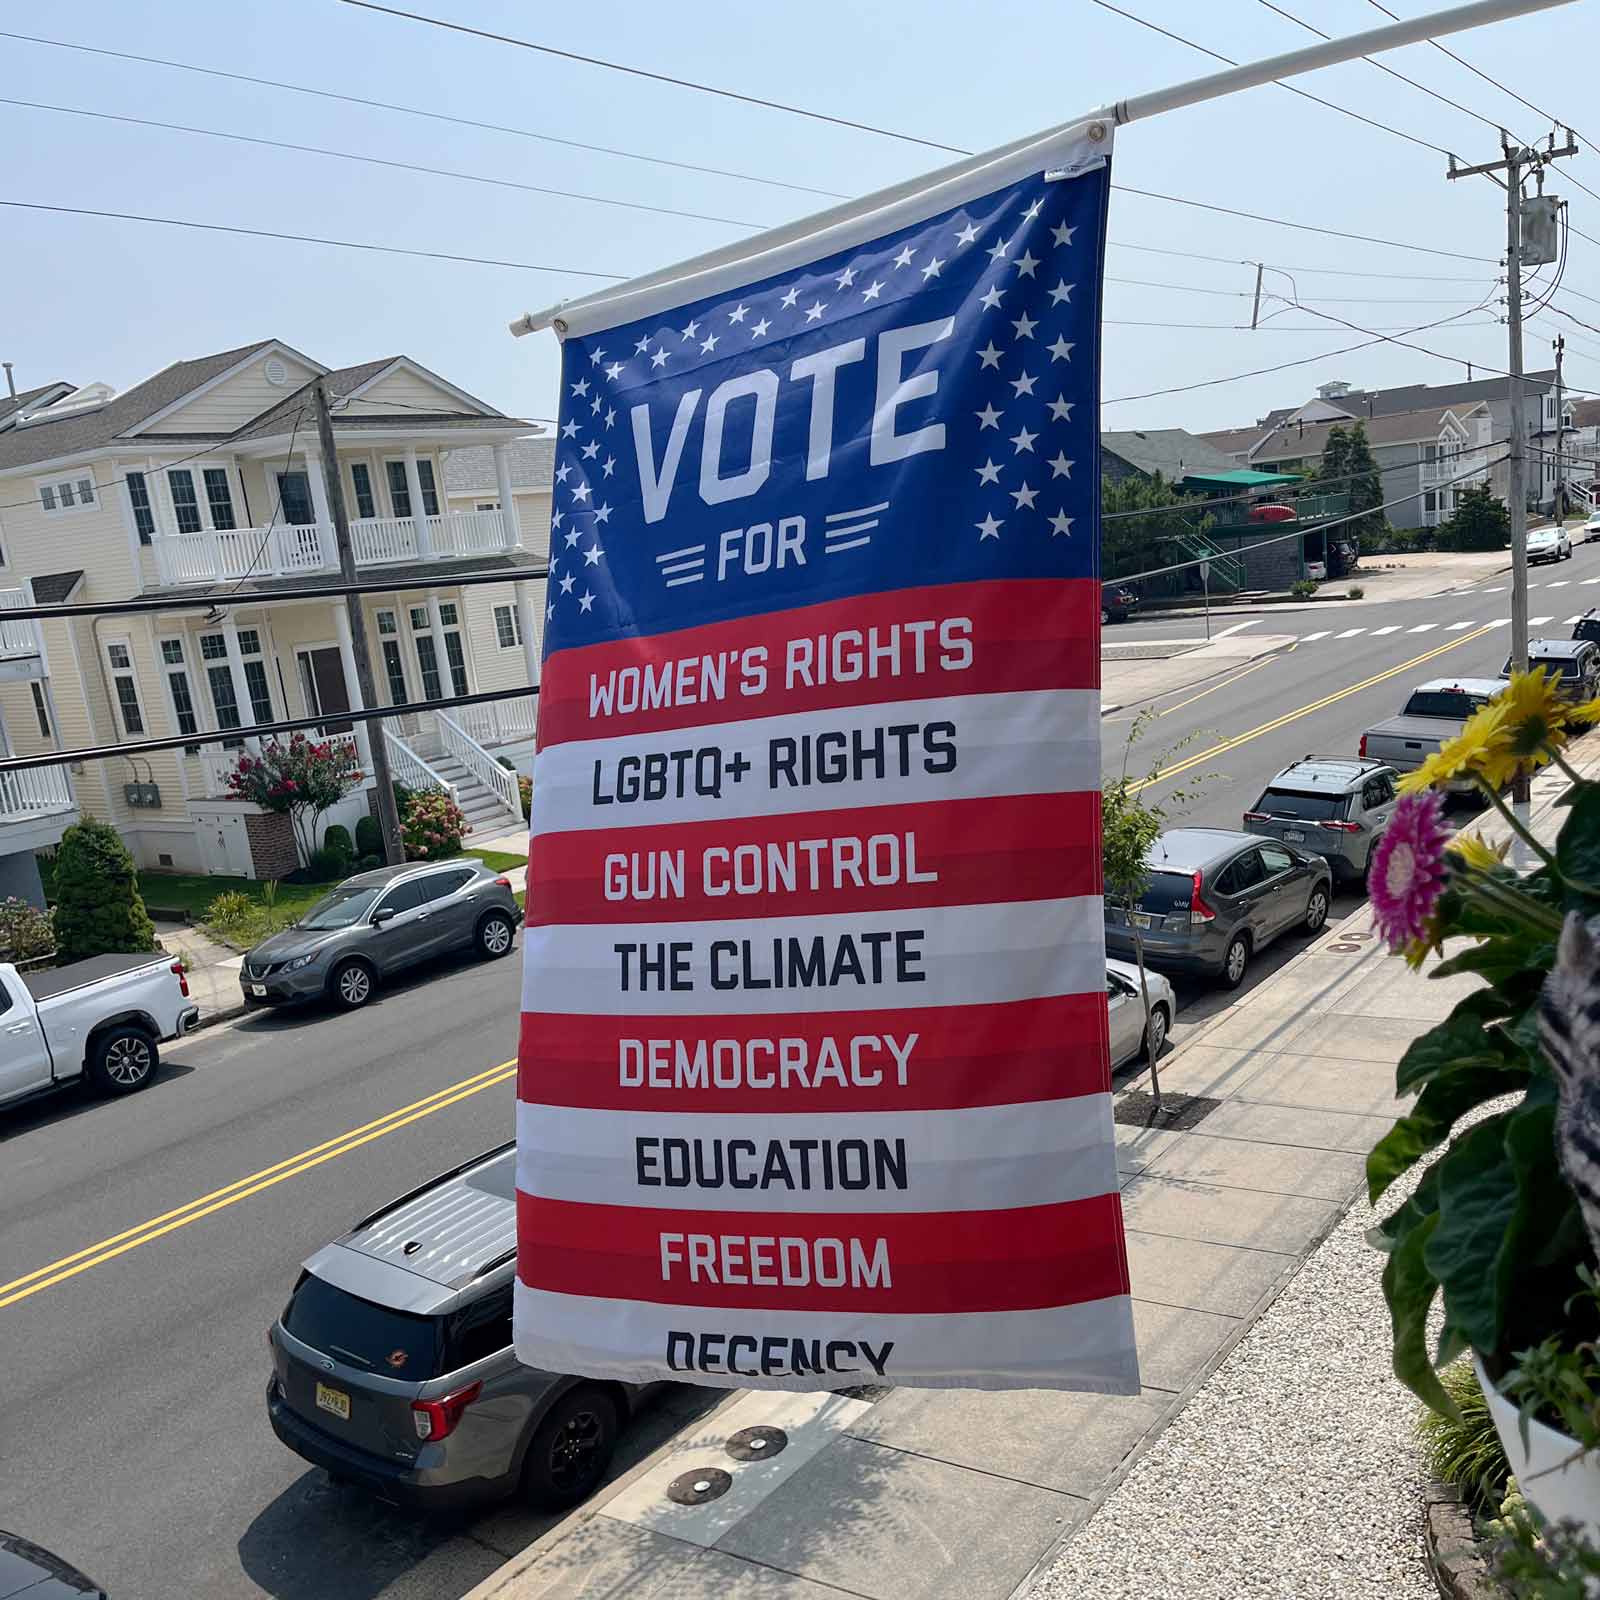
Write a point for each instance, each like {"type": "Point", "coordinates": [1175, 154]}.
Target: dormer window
{"type": "Point", "coordinates": [76, 493]}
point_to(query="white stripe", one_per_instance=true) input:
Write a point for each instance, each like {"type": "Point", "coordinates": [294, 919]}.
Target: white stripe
{"type": "Point", "coordinates": [863, 511]}
{"type": "Point", "coordinates": [1589, 580]}
{"type": "Point", "coordinates": [1534, 622]}
{"type": "Point", "coordinates": [1566, 622]}
{"type": "Point", "coordinates": [1499, 622]}
{"type": "Point", "coordinates": [698, 564]}
{"type": "Point", "coordinates": [849, 544]}
{"type": "Point", "coordinates": [1423, 627]}
{"type": "Point", "coordinates": [1040, 1154]}
{"type": "Point", "coordinates": [688, 550]}
{"type": "Point", "coordinates": [1560, 583]}
{"type": "Point", "coordinates": [1500, 588]}
{"type": "Point", "coordinates": [1350, 633]}
{"type": "Point", "coordinates": [1040, 743]}
{"type": "Point", "coordinates": [968, 955]}
{"type": "Point", "coordinates": [1088, 1346]}
{"type": "Point", "coordinates": [1378, 633]}
{"type": "Point", "coordinates": [1456, 627]}
{"type": "Point", "coordinates": [673, 583]}
{"type": "Point", "coordinates": [850, 527]}
{"type": "Point", "coordinates": [1239, 627]}
{"type": "Point", "coordinates": [1312, 637]}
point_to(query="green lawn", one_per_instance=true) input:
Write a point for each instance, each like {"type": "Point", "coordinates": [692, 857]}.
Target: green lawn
{"type": "Point", "coordinates": [498, 860]}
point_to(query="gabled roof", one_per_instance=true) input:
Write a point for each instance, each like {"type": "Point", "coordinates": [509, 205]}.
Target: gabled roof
{"type": "Point", "coordinates": [1290, 442]}
{"type": "Point", "coordinates": [11, 404]}
{"type": "Point", "coordinates": [1173, 452]}
{"type": "Point", "coordinates": [471, 470]}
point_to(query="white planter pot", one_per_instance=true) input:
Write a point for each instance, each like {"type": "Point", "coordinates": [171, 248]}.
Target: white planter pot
{"type": "Point", "coordinates": [1553, 1477]}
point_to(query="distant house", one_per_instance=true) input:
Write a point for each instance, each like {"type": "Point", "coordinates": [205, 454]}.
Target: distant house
{"type": "Point", "coordinates": [1173, 452]}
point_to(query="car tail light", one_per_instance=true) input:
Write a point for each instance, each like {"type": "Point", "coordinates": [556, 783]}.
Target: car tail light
{"type": "Point", "coordinates": [1258, 816]}
{"type": "Point", "coordinates": [183, 978]}
{"type": "Point", "coordinates": [1363, 751]}
{"type": "Point", "coordinates": [505, 883]}
{"type": "Point", "coordinates": [1199, 911]}
{"type": "Point", "coordinates": [437, 1419]}
{"type": "Point", "coordinates": [1342, 827]}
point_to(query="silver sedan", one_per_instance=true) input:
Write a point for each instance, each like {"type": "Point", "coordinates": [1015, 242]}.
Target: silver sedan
{"type": "Point", "coordinates": [1125, 1005]}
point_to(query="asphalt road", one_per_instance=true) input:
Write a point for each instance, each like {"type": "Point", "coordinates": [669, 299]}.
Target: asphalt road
{"type": "Point", "coordinates": [133, 1437]}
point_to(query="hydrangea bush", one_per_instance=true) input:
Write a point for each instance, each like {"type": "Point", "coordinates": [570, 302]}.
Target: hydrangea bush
{"type": "Point", "coordinates": [433, 826]}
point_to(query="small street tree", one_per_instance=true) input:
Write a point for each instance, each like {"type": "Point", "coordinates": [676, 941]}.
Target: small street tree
{"type": "Point", "coordinates": [1365, 487]}
{"type": "Point", "coordinates": [1335, 464]}
{"type": "Point", "coordinates": [1130, 543]}
{"type": "Point", "coordinates": [1479, 522]}
{"type": "Point", "coordinates": [299, 780]}
{"type": "Point", "coordinates": [99, 910]}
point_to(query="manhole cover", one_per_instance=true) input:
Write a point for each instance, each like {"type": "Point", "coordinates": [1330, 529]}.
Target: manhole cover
{"type": "Point", "coordinates": [1344, 947]}
{"type": "Point", "coordinates": [1179, 1112]}
{"type": "Point", "coordinates": [696, 1488]}
{"type": "Point", "coordinates": [756, 1444]}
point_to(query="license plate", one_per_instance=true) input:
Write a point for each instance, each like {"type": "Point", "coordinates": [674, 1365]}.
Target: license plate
{"type": "Point", "coordinates": [1141, 919]}
{"type": "Point", "coordinates": [259, 990]}
{"type": "Point", "coordinates": [334, 1400]}
{"type": "Point", "coordinates": [1294, 836]}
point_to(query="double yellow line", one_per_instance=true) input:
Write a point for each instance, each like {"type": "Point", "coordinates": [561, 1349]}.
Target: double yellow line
{"type": "Point", "coordinates": [1238, 739]}
{"type": "Point", "coordinates": [231, 1194]}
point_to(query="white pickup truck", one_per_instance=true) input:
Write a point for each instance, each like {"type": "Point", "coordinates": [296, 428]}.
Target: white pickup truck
{"type": "Point", "coordinates": [104, 1017]}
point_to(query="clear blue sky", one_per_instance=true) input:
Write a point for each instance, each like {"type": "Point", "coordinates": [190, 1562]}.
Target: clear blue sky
{"type": "Point", "coordinates": [94, 299]}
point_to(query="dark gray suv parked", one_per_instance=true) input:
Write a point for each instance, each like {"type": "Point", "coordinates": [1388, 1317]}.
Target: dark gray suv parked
{"type": "Point", "coordinates": [378, 923]}
{"type": "Point", "coordinates": [393, 1368]}
{"type": "Point", "coordinates": [1215, 897]}
{"type": "Point", "coordinates": [1332, 806]}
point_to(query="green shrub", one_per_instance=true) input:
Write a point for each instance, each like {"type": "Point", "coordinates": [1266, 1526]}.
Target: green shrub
{"type": "Point", "coordinates": [1479, 522]}
{"type": "Point", "coordinates": [236, 919]}
{"type": "Point", "coordinates": [369, 838]}
{"type": "Point", "coordinates": [404, 794]}
{"type": "Point", "coordinates": [1356, 592]}
{"type": "Point", "coordinates": [326, 864]}
{"type": "Point", "coordinates": [368, 861]}
{"type": "Point", "coordinates": [337, 839]}
{"type": "Point", "coordinates": [433, 826]}
{"type": "Point", "coordinates": [26, 932]}
{"type": "Point", "coordinates": [1465, 1451]}
{"type": "Point", "coordinates": [98, 907]}
{"type": "Point", "coordinates": [525, 789]}
{"type": "Point", "coordinates": [1302, 587]}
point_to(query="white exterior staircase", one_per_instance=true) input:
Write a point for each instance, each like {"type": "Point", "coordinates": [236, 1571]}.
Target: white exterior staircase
{"type": "Point", "coordinates": [446, 757]}
{"type": "Point", "coordinates": [485, 811]}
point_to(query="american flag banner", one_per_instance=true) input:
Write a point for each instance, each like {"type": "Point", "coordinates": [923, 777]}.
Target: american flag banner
{"type": "Point", "coordinates": [814, 1085]}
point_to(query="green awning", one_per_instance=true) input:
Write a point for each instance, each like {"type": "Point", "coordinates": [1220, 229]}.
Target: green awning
{"type": "Point", "coordinates": [1237, 480]}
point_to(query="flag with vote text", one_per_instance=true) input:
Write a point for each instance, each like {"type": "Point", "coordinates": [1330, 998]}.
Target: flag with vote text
{"type": "Point", "coordinates": [814, 1084]}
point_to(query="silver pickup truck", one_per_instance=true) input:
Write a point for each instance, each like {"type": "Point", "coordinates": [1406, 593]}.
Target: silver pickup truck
{"type": "Point", "coordinates": [104, 1018]}
{"type": "Point", "coordinates": [1435, 712]}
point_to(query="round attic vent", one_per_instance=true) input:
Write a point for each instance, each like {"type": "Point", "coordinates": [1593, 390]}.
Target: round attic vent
{"type": "Point", "coordinates": [276, 372]}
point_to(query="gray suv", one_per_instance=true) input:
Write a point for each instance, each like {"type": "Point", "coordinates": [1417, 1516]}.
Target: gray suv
{"type": "Point", "coordinates": [393, 1368]}
{"type": "Point", "coordinates": [1215, 897]}
{"type": "Point", "coordinates": [1333, 806]}
{"type": "Point", "coordinates": [378, 923]}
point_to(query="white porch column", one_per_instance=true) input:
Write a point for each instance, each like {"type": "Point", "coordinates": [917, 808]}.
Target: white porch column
{"type": "Point", "coordinates": [436, 629]}
{"type": "Point", "coordinates": [241, 689]}
{"type": "Point", "coordinates": [419, 512]}
{"type": "Point", "coordinates": [327, 542]}
{"type": "Point", "coordinates": [347, 662]}
{"type": "Point", "coordinates": [510, 526]}
{"type": "Point", "coordinates": [530, 639]}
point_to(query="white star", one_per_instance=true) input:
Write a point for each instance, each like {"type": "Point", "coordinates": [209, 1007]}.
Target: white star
{"type": "Point", "coordinates": [760, 329]}
{"type": "Point", "coordinates": [567, 583]}
{"type": "Point", "coordinates": [708, 344]}
{"type": "Point", "coordinates": [581, 492]}
{"type": "Point", "coordinates": [1025, 326]}
{"type": "Point", "coordinates": [789, 298]}
{"type": "Point", "coordinates": [550, 610]}
{"type": "Point", "coordinates": [643, 346]}
{"type": "Point", "coordinates": [988, 473]}
{"type": "Point", "coordinates": [932, 269]}
{"type": "Point", "coordinates": [609, 465]}
{"type": "Point", "coordinates": [814, 311]}
{"type": "Point", "coordinates": [585, 601]}
{"type": "Point", "coordinates": [1027, 262]}
{"type": "Point", "coordinates": [991, 299]}
{"type": "Point", "coordinates": [987, 418]}
{"type": "Point", "coordinates": [1060, 523]}
{"type": "Point", "coordinates": [563, 472]}
{"type": "Point", "coordinates": [572, 538]}
{"type": "Point", "coordinates": [989, 528]}
{"type": "Point", "coordinates": [989, 356]}
{"type": "Point", "coordinates": [614, 370]}
{"type": "Point", "coordinates": [591, 450]}
{"type": "Point", "coordinates": [599, 400]}
{"type": "Point", "coordinates": [997, 251]}
{"type": "Point", "coordinates": [1061, 409]}
{"type": "Point", "coordinates": [873, 290]}
{"type": "Point", "coordinates": [1024, 496]}
{"type": "Point", "coordinates": [581, 387]}
{"type": "Point", "coordinates": [904, 258]}
{"type": "Point", "coordinates": [591, 556]}
{"type": "Point", "coordinates": [846, 278]}
{"type": "Point", "coordinates": [1023, 441]}
{"type": "Point", "coordinates": [737, 314]}
{"type": "Point", "coordinates": [1062, 291]}
{"type": "Point", "coordinates": [570, 431]}
{"type": "Point", "coordinates": [596, 358]}
{"type": "Point", "coordinates": [967, 234]}
{"type": "Point", "coordinates": [659, 359]}
{"type": "Point", "coordinates": [1060, 467]}
{"type": "Point", "coordinates": [1060, 349]}
{"type": "Point", "coordinates": [557, 519]}
{"type": "Point", "coordinates": [602, 514]}
{"type": "Point", "coordinates": [689, 332]}
{"type": "Point", "coordinates": [1062, 234]}
{"type": "Point", "coordinates": [1023, 385]}
{"type": "Point", "coordinates": [611, 416]}
{"type": "Point", "coordinates": [1033, 211]}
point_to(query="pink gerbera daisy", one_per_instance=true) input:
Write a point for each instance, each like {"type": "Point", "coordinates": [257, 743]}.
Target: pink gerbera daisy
{"type": "Point", "coordinates": [1407, 872]}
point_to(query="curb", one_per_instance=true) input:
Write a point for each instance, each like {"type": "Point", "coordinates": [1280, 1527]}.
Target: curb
{"type": "Point", "coordinates": [1451, 1546]}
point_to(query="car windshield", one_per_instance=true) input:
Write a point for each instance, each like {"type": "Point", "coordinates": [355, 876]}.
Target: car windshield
{"type": "Point", "coordinates": [1455, 704]}
{"type": "Point", "coordinates": [1303, 807]}
{"type": "Point", "coordinates": [340, 908]}
{"type": "Point", "coordinates": [1566, 666]}
{"type": "Point", "coordinates": [393, 1344]}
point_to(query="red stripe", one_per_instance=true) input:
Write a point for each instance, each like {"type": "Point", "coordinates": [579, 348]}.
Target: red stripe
{"type": "Point", "coordinates": [938, 1262]}
{"type": "Point", "coordinates": [1025, 634]}
{"type": "Point", "coordinates": [981, 1055]}
{"type": "Point", "coordinates": [963, 852]}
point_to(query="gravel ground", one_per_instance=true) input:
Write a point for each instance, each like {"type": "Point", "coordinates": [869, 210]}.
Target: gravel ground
{"type": "Point", "coordinates": [1292, 1472]}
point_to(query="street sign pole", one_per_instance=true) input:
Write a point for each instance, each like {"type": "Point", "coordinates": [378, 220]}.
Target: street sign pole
{"type": "Point", "coordinates": [1205, 589]}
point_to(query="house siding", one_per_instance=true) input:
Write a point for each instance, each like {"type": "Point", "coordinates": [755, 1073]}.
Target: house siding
{"type": "Point", "coordinates": [401, 391]}
{"type": "Point", "coordinates": [233, 402]}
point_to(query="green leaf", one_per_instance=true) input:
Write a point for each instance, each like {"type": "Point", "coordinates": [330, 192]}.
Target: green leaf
{"type": "Point", "coordinates": [1578, 844]}
{"type": "Point", "coordinates": [1387, 1233]}
{"type": "Point", "coordinates": [1443, 1101]}
{"type": "Point", "coordinates": [1470, 1251]}
{"type": "Point", "coordinates": [1462, 1039]}
{"type": "Point", "coordinates": [1495, 960]}
{"type": "Point", "coordinates": [1409, 1288]}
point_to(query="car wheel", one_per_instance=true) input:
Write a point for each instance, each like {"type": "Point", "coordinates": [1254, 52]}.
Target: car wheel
{"type": "Point", "coordinates": [1105, 616]}
{"type": "Point", "coordinates": [122, 1060]}
{"type": "Point", "coordinates": [1317, 910]}
{"type": "Point", "coordinates": [1235, 961]}
{"type": "Point", "coordinates": [1155, 1032]}
{"type": "Point", "coordinates": [495, 934]}
{"type": "Point", "coordinates": [350, 984]}
{"type": "Point", "coordinates": [569, 1453]}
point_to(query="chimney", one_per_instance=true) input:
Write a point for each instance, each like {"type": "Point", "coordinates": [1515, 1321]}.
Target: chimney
{"type": "Point", "coordinates": [11, 383]}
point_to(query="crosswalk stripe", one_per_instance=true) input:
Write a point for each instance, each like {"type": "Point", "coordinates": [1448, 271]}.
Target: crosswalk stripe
{"type": "Point", "coordinates": [1311, 636]}
{"type": "Point", "coordinates": [1566, 622]}
{"type": "Point", "coordinates": [1589, 580]}
{"type": "Point", "coordinates": [1499, 622]}
{"type": "Point", "coordinates": [1560, 583]}
{"type": "Point", "coordinates": [1456, 627]}
{"type": "Point", "coordinates": [1423, 627]}
{"type": "Point", "coordinates": [1350, 633]}
{"type": "Point", "coordinates": [1500, 588]}
{"type": "Point", "coordinates": [1536, 622]}
{"type": "Point", "coordinates": [1378, 633]}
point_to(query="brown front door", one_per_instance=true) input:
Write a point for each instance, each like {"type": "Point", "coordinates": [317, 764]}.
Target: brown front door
{"type": "Point", "coordinates": [323, 673]}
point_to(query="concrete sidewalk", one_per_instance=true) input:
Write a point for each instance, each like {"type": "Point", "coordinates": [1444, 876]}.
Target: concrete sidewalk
{"type": "Point", "coordinates": [1128, 680]}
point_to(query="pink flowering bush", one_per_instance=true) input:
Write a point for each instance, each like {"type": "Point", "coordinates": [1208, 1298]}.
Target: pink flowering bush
{"type": "Point", "coordinates": [299, 780]}
{"type": "Point", "coordinates": [433, 826]}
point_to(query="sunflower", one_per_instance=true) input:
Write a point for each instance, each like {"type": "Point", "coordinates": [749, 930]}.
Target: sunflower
{"type": "Point", "coordinates": [1474, 751]}
{"type": "Point", "coordinates": [1536, 715]}
{"type": "Point", "coordinates": [1475, 855]}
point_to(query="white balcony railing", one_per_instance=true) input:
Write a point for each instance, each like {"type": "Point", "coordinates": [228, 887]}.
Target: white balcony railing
{"type": "Point", "coordinates": [219, 765]}
{"type": "Point", "coordinates": [498, 721]}
{"type": "Point", "coordinates": [34, 792]}
{"type": "Point", "coordinates": [17, 638]}
{"type": "Point", "coordinates": [293, 550]}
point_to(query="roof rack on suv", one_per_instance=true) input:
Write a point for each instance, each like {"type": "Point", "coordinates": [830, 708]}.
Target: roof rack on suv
{"type": "Point", "coordinates": [1354, 761]}
{"type": "Point", "coordinates": [432, 1183]}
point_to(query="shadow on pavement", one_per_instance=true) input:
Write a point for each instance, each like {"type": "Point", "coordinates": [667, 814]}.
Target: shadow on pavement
{"type": "Point", "coordinates": [77, 1099]}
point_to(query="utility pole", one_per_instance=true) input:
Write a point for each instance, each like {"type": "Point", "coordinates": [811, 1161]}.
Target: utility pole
{"type": "Point", "coordinates": [1515, 161]}
{"type": "Point", "coordinates": [388, 815]}
{"type": "Point", "coordinates": [1559, 345]}
{"type": "Point", "coordinates": [1255, 307]}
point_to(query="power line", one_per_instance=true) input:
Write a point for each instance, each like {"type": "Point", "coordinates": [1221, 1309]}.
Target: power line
{"type": "Point", "coordinates": [420, 111]}
{"type": "Point", "coordinates": [1331, 272]}
{"type": "Point", "coordinates": [1266, 327]}
{"type": "Point", "coordinates": [655, 77]}
{"type": "Point", "coordinates": [1245, 294]}
{"type": "Point", "coordinates": [380, 161]}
